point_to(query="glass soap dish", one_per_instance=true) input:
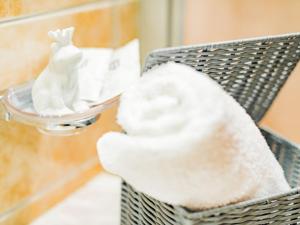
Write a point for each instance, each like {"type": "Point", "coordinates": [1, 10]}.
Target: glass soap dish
{"type": "Point", "coordinates": [16, 104]}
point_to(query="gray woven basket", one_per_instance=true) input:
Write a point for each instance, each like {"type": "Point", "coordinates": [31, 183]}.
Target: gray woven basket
{"type": "Point", "coordinates": [252, 71]}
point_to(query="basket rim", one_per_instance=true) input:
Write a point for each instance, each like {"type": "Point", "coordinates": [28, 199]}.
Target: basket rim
{"type": "Point", "coordinates": [280, 137]}
{"type": "Point", "coordinates": [196, 214]}
{"type": "Point", "coordinates": [235, 206]}
{"type": "Point", "coordinates": [227, 43]}
{"type": "Point", "coordinates": [163, 54]}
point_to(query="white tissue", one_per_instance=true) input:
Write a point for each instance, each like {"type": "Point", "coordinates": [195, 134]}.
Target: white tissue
{"type": "Point", "coordinates": [189, 143]}
{"type": "Point", "coordinates": [124, 70]}
{"type": "Point", "coordinates": [91, 76]}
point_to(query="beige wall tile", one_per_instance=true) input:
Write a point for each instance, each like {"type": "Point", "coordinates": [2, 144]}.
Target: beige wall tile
{"type": "Point", "coordinates": [25, 47]}
{"type": "Point", "coordinates": [13, 8]}
{"type": "Point", "coordinates": [30, 162]}
{"type": "Point", "coordinates": [128, 22]}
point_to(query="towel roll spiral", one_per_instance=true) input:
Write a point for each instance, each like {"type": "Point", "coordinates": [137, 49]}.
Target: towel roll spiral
{"type": "Point", "coordinates": [189, 143]}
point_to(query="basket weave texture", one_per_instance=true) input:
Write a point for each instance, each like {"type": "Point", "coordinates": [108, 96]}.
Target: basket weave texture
{"type": "Point", "coordinates": [252, 71]}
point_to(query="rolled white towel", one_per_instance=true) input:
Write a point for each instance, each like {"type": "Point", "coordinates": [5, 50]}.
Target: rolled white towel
{"type": "Point", "coordinates": [189, 143]}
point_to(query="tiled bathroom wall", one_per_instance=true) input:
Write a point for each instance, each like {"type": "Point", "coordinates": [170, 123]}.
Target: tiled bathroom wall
{"type": "Point", "coordinates": [37, 170]}
{"type": "Point", "coordinates": [13, 8]}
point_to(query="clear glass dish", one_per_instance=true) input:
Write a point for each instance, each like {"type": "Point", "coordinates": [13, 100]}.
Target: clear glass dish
{"type": "Point", "coordinates": [17, 105]}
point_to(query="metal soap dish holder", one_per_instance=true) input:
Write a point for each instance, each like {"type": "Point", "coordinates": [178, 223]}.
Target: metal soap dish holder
{"type": "Point", "coordinates": [16, 105]}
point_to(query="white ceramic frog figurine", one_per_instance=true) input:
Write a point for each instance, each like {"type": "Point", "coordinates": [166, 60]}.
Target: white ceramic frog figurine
{"type": "Point", "coordinates": [55, 91]}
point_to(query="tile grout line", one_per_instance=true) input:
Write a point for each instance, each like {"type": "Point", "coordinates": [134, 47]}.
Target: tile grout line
{"type": "Point", "coordinates": [104, 4]}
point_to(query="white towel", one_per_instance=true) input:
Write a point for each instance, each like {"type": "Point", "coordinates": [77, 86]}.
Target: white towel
{"type": "Point", "coordinates": [189, 143]}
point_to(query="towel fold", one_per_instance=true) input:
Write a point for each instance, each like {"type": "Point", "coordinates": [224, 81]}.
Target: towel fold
{"type": "Point", "coordinates": [189, 143]}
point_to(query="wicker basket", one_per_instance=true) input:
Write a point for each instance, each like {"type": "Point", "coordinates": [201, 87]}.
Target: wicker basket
{"type": "Point", "coordinates": [252, 71]}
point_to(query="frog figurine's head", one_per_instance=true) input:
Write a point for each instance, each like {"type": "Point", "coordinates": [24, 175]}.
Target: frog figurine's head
{"type": "Point", "coordinates": [65, 56]}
